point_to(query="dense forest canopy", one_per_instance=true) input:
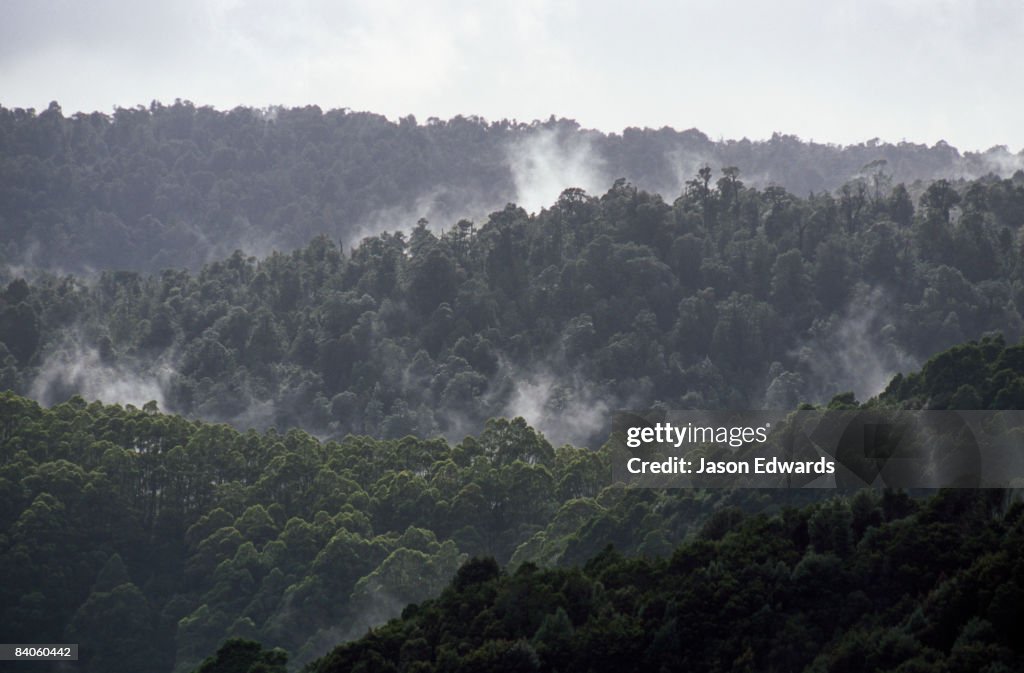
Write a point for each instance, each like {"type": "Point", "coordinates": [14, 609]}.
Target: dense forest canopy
{"type": "Point", "coordinates": [149, 539]}
{"type": "Point", "coordinates": [729, 297]}
{"type": "Point", "coordinates": [868, 583]}
{"type": "Point", "coordinates": [183, 289]}
{"type": "Point", "coordinates": [179, 185]}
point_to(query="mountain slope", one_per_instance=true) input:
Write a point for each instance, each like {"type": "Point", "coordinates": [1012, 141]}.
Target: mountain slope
{"type": "Point", "coordinates": [180, 185]}
{"type": "Point", "coordinates": [731, 297]}
{"type": "Point", "coordinates": [876, 582]}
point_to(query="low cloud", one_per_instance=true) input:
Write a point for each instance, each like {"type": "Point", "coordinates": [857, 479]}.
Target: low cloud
{"type": "Point", "coordinates": [855, 351]}
{"type": "Point", "coordinates": [549, 161]}
{"type": "Point", "coordinates": [79, 370]}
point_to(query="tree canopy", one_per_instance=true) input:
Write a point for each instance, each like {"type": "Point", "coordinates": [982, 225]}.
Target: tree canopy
{"type": "Point", "coordinates": [731, 297]}
{"type": "Point", "coordinates": [170, 185]}
{"type": "Point", "coordinates": [150, 539]}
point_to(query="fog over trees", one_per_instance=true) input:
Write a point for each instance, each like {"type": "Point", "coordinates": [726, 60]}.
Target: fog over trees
{"type": "Point", "coordinates": [172, 186]}
{"type": "Point", "coordinates": [150, 539]}
{"type": "Point", "coordinates": [728, 297]}
{"type": "Point", "coordinates": [270, 378]}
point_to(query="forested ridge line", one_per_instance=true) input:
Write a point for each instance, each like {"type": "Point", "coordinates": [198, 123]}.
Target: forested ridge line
{"type": "Point", "coordinates": [876, 582]}
{"type": "Point", "coordinates": [146, 188]}
{"type": "Point", "coordinates": [150, 539]}
{"type": "Point", "coordinates": [870, 580]}
{"type": "Point", "coordinates": [729, 297]}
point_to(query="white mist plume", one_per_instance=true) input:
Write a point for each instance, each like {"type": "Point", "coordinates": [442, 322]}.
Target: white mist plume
{"type": "Point", "coordinates": [257, 414]}
{"type": "Point", "coordinates": [855, 352]}
{"type": "Point", "coordinates": [683, 165]}
{"type": "Point", "coordinates": [566, 409]}
{"type": "Point", "coordinates": [998, 160]}
{"type": "Point", "coordinates": [79, 370]}
{"type": "Point", "coordinates": [548, 162]}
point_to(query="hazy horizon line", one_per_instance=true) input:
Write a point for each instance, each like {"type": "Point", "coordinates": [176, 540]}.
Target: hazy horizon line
{"type": "Point", "coordinates": [425, 120]}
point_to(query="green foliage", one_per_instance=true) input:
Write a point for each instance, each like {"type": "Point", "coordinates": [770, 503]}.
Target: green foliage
{"type": "Point", "coordinates": [114, 629]}
{"type": "Point", "coordinates": [593, 303]}
{"type": "Point", "coordinates": [151, 538]}
{"type": "Point", "coordinates": [985, 374]}
{"type": "Point", "coordinates": [147, 188]}
{"type": "Point", "coordinates": [757, 598]}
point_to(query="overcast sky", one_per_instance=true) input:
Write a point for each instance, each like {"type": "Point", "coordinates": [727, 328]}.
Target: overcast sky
{"type": "Point", "coordinates": [833, 71]}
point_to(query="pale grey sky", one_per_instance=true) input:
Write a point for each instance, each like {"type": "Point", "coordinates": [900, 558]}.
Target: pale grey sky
{"type": "Point", "coordinates": [842, 72]}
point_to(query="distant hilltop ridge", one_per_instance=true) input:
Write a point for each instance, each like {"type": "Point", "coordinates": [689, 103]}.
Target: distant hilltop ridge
{"type": "Point", "coordinates": [177, 185]}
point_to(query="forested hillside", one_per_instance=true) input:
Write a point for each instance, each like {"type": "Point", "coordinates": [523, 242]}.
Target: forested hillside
{"type": "Point", "coordinates": [873, 583]}
{"type": "Point", "coordinates": [868, 581]}
{"type": "Point", "coordinates": [730, 297]}
{"type": "Point", "coordinates": [150, 533]}
{"type": "Point", "coordinates": [179, 185]}
{"type": "Point", "coordinates": [547, 337]}
{"type": "Point", "coordinates": [150, 539]}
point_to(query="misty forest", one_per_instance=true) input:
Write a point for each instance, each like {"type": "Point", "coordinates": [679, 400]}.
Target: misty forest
{"type": "Point", "coordinates": [294, 390]}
